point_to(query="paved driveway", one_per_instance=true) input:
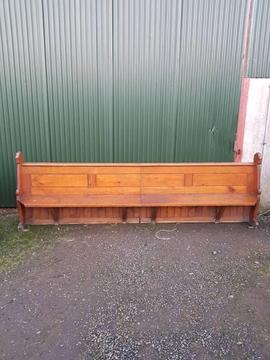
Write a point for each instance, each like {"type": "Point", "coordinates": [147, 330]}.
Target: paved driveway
{"type": "Point", "coordinates": [186, 291]}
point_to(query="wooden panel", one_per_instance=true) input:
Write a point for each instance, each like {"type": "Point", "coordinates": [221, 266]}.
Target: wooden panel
{"type": "Point", "coordinates": [33, 169]}
{"type": "Point", "coordinates": [139, 200]}
{"type": "Point", "coordinates": [144, 169]}
{"type": "Point", "coordinates": [188, 180]}
{"type": "Point", "coordinates": [219, 179]}
{"type": "Point", "coordinates": [166, 180]}
{"type": "Point", "coordinates": [143, 215]}
{"type": "Point", "coordinates": [59, 180]}
{"type": "Point", "coordinates": [251, 181]}
{"type": "Point", "coordinates": [127, 180]}
{"type": "Point", "coordinates": [195, 190]}
{"type": "Point", "coordinates": [199, 169]}
{"type": "Point", "coordinates": [197, 199]}
{"type": "Point", "coordinates": [92, 180]}
{"type": "Point", "coordinates": [81, 201]}
{"type": "Point", "coordinates": [121, 190]}
{"type": "Point", "coordinates": [81, 216]}
{"type": "Point", "coordinates": [26, 184]}
{"type": "Point", "coordinates": [203, 214]}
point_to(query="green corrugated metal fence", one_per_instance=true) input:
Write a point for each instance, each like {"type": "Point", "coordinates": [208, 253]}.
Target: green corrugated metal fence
{"type": "Point", "coordinates": [24, 120]}
{"type": "Point", "coordinates": [118, 80]}
{"type": "Point", "coordinates": [176, 79]}
{"type": "Point", "coordinates": [259, 53]}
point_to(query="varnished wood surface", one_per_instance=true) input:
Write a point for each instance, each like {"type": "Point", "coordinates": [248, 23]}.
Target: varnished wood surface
{"type": "Point", "coordinates": [139, 200]}
{"type": "Point", "coordinates": [80, 188]}
{"type": "Point", "coordinates": [89, 181]}
{"type": "Point", "coordinates": [198, 200]}
{"type": "Point", "coordinates": [81, 201]}
{"type": "Point", "coordinates": [134, 215]}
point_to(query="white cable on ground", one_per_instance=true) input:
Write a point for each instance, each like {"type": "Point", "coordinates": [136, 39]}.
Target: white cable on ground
{"type": "Point", "coordinates": [163, 238]}
{"type": "Point", "coordinates": [265, 212]}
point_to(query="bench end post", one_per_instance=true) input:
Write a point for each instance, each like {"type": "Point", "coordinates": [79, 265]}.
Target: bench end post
{"type": "Point", "coordinates": [257, 160]}
{"type": "Point", "coordinates": [19, 157]}
{"type": "Point", "coordinates": [20, 208]}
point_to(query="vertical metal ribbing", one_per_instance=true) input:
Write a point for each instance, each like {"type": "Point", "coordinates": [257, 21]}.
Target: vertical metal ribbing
{"type": "Point", "coordinates": [259, 49]}
{"type": "Point", "coordinates": [23, 98]}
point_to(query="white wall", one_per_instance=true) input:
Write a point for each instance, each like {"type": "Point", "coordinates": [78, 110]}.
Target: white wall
{"type": "Point", "coordinates": [257, 132]}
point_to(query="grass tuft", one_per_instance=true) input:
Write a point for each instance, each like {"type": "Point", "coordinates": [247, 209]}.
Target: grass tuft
{"type": "Point", "coordinates": [16, 245]}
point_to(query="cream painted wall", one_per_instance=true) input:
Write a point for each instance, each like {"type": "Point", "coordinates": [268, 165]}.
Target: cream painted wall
{"type": "Point", "coordinates": [257, 132]}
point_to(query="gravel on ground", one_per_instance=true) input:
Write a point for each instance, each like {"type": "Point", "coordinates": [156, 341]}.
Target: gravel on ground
{"type": "Point", "coordinates": [170, 291]}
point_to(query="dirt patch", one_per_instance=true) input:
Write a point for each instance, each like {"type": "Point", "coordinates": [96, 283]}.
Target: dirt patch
{"type": "Point", "coordinates": [264, 221]}
{"type": "Point", "coordinates": [197, 291]}
{"type": "Point", "coordinates": [7, 212]}
{"type": "Point", "coordinates": [16, 246]}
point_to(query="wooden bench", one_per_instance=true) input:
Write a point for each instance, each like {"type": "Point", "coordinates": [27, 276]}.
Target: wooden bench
{"type": "Point", "coordinates": [62, 193]}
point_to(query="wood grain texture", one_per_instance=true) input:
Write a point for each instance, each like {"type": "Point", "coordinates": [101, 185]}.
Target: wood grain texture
{"type": "Point", "coordinates": [134, 215]}
{"type": "Point", "coordinates": [127, 180]}
{"type": "Point", "coordinates": [81, 201]}
{"type": "Point", "coordinates": [219, 179]}
{"type": "Point", "coordinates": [209, 168]}
{"type": "Point", "coordinates": [72, 169]}
{"type": "Point", "coordinates": [92, 179]}
{"type": "Point", "coordinates": [198, 199]}
{"type": "Point", "coordinates": [121, 190]}
{"type": "Point", "coordinates": [195, 190]}
{"type": "Point", "coordinates": [169, 180]}
{"type": "Point", "coordinates": [188, 180]}
{"type": "Point", "coordinates": [79, 180]}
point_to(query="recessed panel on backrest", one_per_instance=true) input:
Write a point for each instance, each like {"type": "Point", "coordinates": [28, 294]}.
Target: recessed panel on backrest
{"type": "Point", "coordinates": [69, 179]}
{"type": "Point", "coordinates": [80, 180]}
{"type": "Point", "coordinates": [197, 179]}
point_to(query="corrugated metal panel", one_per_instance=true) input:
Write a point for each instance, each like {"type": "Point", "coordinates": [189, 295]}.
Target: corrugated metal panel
{"type": "Point", "coordinates": [209, 79]}
{"type": "Point", "coordinates": [78, 45]}
{"type": "Point", "coordinates": [146, 67]}
{"type": "Point", "coordinates": [23, 101]}
{"type": "Point", "coordinates": [118, 80]}
{"type": "Point", "coordinates": [176, 78]}
{"type": "Point", "coordinates": [259, 52]}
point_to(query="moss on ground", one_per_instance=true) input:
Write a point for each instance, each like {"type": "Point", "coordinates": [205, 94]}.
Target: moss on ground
{"type": "Point", "coordinates": [264, 268]}
{"type": "Point", "coordinates": [16, 245]}
{"type": "Point", "coordinates": [259, 262]}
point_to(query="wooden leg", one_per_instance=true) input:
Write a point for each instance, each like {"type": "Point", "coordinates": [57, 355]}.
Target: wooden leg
{"type": "Point", "coordinates": [153, 214]}
{"type": "Point", "coordinates": [30, 215]}
{"type": "Point", "coordinates": [20, 209]}
{"type": "Point", "coordinates": [253, 221]}
{"type": "Point", "coordinates": [55, 215]}
{"type": "Point", "coordinates": [219, 212]}
{"type": "Point", "coordinates": [124, 215]}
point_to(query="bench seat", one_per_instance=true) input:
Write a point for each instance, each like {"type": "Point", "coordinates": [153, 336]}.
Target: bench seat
{"type": "Point", "coordinates": [81, 201]}
{"type": "Point", "coordinates": [201, 199]}
{"type": "Point", "coordinates": [149, 200]}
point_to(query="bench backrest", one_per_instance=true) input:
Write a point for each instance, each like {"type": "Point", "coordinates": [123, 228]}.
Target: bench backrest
{"type": "Point", "coordinates": [126, 179]}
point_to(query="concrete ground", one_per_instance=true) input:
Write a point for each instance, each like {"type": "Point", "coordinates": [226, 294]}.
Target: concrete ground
{"type": "Point", "coordinates": [186, 291]}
